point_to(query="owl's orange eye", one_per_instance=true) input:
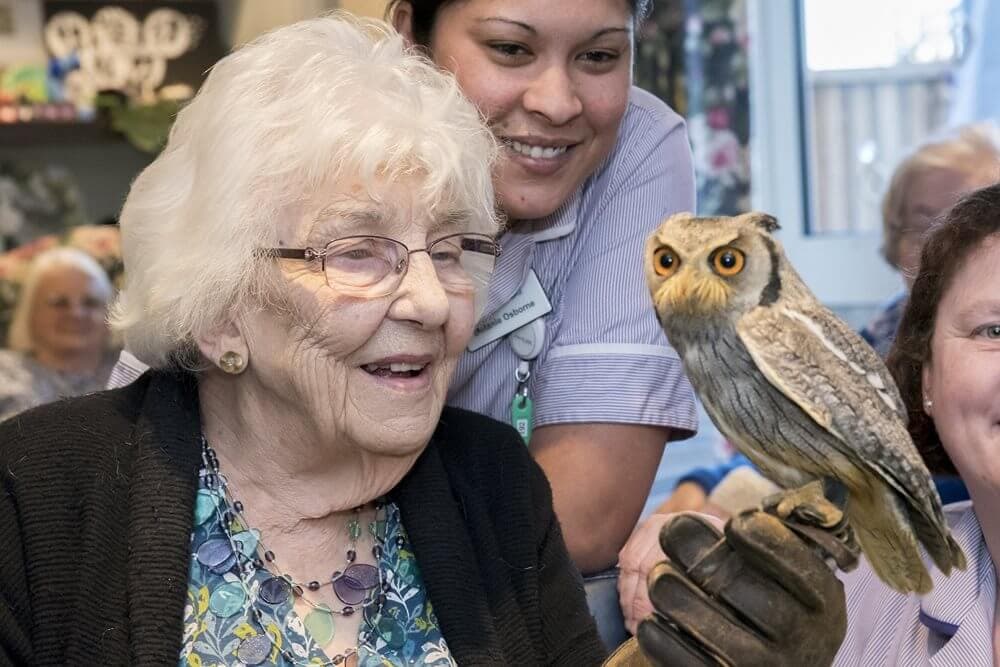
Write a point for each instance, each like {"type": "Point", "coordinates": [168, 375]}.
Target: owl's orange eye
{"type": "Point", "coordinates": [727, 261]}
{"type": "Point", "coordinates": [665, 261]}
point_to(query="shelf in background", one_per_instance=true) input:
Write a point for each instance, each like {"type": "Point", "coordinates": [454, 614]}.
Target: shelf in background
{"type": "Point", "coordinates": [22, 135]}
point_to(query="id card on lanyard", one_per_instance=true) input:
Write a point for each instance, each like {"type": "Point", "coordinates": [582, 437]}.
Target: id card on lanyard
{"type": "Point", "coordinates": [519, 320]}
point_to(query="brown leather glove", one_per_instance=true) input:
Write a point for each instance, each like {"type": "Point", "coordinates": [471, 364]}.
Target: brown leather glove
{"type": "Point", "coordinates": [763, 595]}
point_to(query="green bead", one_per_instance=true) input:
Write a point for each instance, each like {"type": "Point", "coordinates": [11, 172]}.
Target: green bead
{"type": "Point", "coordinates": [204, 507]}
{"type": "Point", "coordinates": [319, 624]}
{"type": "Point", "coordinates": [227, 599]}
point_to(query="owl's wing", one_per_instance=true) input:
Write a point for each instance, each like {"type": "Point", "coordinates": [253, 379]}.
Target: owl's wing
{"type": "Point", "coordinates": [826, 369]}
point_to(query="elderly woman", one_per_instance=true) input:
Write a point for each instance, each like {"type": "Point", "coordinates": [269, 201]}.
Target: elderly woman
{"type": "Point", "coordinates": [946, 360]}
{"type": "Point", "coordinates": [58, 338]}
{"type": "Point", "coordinates": [305, 262]}
{"type": "Point", "coordinates": [923, 186]}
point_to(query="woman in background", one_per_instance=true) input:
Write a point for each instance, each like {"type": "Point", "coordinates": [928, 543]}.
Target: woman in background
{"type": "Point", "coordinates": [58, 338]}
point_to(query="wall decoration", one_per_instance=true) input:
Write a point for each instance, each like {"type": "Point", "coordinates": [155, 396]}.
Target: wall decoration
{"type": "Point", "coordinates": [693, 55]}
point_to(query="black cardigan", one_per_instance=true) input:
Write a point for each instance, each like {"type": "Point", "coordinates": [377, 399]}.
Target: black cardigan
{"type": "Point", "coordinates": [97, 513]}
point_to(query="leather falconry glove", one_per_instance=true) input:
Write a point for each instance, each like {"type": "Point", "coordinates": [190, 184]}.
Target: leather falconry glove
{"type": "Point", "coordinates": [763, 594]}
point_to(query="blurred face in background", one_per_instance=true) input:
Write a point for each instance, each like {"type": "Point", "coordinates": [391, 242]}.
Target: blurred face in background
{"type": "Point", "coordinates": [931, 193]}
{"type": "Point", "coordinates": [68, 315]}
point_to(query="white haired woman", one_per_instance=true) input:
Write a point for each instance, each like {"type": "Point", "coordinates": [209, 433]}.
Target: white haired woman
{"type": "Point", "coordinates": [58, 337]}
{"type": "Point", "coordinates": [305, 261]}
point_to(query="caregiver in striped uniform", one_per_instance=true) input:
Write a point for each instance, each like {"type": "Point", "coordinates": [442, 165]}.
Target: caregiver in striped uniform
{"type": "Point", "coordinates": [569, 349]}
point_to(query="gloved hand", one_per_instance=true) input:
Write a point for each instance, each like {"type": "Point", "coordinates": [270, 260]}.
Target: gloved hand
{"type": "Point", "coordinates": [763, 595]}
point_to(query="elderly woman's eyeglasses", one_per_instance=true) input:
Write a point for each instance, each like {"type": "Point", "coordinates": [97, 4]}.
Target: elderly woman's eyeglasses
{"type": "Point", "coordinates": [374, 266]}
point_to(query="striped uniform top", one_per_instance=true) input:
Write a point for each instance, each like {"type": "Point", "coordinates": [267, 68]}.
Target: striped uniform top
{"type": "Point", "coordinates": [605, 357]}
{"type": "Point", "coordinates": [950, 626]}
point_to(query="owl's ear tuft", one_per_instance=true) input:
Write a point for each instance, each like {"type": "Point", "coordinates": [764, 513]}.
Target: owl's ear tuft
{"type": "Point", "coordinates": [768, 223]}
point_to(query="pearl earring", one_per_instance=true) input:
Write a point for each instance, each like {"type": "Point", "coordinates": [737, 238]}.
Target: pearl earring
{"type": "Point", "coordinates": [928, 404]}
{"type": "Point", "coordinates": [232, 363]}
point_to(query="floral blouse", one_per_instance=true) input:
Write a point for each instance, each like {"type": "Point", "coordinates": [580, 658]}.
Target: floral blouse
{"type": "Point", "coordinates": [219, 628]}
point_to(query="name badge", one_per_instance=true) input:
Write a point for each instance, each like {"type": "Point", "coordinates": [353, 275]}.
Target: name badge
{"type": "Point", "coordinates": [528, 305]}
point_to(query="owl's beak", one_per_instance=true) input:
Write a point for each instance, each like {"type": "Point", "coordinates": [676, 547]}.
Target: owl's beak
{"type": "Point", "coordinates": [693, 293]}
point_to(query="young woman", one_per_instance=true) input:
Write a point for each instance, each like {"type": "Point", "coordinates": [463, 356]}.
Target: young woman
{"type": "Point", "coordinates": [569, 348]}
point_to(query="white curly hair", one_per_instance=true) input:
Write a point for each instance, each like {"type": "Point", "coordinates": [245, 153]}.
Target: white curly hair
{"type": "Point", "coordinates": [285, 115]}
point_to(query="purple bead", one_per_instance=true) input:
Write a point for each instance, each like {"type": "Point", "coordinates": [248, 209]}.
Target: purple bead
{"type": "Point", "coordinates": [313, 585]}
{"type": "Point", "coordinates": [377, 551]}
{"type": "Point", "coordinates": [214, 552]}
{"type": "Point", "coordinates": [348, 611]}
{"type": "Point", "coordinates": [297, 589]}
{"type": "Point", "coordinates": [351, 555]}
{"type": "Point", "coordinates": [238, 506]}
{"type": "Point", "coordinates": [269, 556]}
{"type": "Point", "coordinates": [275, 590]}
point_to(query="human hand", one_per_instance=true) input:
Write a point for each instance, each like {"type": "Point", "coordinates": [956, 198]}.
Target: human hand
{"type": "Point", "coordinates": [759, 596]}
{"type": "Point", "coordinates": [635, 561]}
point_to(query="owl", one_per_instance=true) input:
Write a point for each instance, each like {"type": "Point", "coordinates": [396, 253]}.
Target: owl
{"type": "Point", "coordinates": [794, 388]}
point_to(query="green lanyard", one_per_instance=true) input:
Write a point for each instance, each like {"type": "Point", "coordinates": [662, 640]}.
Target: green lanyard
{"type": "Point", "coordinates": [527, 343]}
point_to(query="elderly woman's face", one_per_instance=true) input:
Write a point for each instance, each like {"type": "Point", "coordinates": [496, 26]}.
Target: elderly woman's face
{"type": "Point", "coordinates": [962, 378]}
{"type": "Point", "coordinates": [931, 193]}
{"type": "Point", "coordinates": [68, 314]}
{"type": "Point", "coordinates": [373, 370]}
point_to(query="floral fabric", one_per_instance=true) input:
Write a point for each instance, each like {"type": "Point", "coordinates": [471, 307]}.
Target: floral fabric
{"type": "Point", "coordinates": [219, 628]}
{"type": "Point", "coordinates": [693, 55]}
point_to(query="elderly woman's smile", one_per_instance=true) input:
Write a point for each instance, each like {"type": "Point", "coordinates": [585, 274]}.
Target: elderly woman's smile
{"type": "Point", "coordinates": [405, 368]}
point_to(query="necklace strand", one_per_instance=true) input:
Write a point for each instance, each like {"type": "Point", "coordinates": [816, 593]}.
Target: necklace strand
{"type": "Point", "coordinates": [228, 509]}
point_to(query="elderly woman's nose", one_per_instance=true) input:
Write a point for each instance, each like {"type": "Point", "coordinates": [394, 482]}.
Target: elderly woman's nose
{"type": "Point", "coordinates": [553, 95]}
{"type": "Point", "coordinates": [421, 297]}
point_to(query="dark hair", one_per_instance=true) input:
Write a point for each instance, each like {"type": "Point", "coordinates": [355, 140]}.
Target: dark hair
{"type": "Point", "coordinates": [962, 230]}
{"type": "Point", "coordinates": [425, 12]}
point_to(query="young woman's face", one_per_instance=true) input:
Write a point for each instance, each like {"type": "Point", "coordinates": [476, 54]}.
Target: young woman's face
{"type": "Point", "coordinates": [552, 78]}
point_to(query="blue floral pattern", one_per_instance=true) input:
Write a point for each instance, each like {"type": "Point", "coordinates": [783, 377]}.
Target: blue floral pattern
{"type": "Point", "coordinates": [219, 628]}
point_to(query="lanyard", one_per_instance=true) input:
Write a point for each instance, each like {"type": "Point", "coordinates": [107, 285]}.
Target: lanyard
{"type": "Point", "coordinates": [526, 342]}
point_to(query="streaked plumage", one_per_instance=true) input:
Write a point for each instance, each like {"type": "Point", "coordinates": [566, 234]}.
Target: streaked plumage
{"type": "Point", "coordinates": [794, 388]}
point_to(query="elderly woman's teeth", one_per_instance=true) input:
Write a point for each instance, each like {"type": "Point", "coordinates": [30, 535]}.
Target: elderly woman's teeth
{"type": "Point", "coordinates": [385, 369]}
{"type": "Point", "coordinates": [536, 151]}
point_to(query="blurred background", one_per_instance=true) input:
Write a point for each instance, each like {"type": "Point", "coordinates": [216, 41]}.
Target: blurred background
{"type": "Point", "coordinates": [801, 108]}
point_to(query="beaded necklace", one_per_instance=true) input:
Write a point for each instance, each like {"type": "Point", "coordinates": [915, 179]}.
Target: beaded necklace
{"type": "Point", "coordinates": [358, 585]}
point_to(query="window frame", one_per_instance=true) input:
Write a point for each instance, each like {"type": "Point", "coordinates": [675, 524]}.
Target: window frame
{"type": "Point", "coordinates": [779, 167]}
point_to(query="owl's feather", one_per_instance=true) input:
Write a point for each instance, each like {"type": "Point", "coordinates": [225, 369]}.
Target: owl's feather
{"type": "Point", "coordinates": [856, 405]}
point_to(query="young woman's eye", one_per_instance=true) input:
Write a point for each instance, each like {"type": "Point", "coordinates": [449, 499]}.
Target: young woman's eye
{"type": "Point", "coordinates": [509, 50]}
{"type": "Point", "coordinates": [600, 57]}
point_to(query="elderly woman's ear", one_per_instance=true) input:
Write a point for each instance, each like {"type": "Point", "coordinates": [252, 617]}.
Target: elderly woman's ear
{"type": "Point", "coordinates": [226, 348]}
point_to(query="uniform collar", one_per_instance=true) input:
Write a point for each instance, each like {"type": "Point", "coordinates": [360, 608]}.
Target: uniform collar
{"type": "Point", "coordinates": [518, 245]}
{"type": "Point", "coordinates": [961, 605]}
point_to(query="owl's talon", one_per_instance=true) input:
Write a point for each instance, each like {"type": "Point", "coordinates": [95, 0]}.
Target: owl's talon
{"type": "Point", "coordinates": [807, 504]}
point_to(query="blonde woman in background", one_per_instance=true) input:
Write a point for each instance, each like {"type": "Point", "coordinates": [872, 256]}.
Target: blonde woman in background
{"type": "Point", "coordinates": [58, 338]}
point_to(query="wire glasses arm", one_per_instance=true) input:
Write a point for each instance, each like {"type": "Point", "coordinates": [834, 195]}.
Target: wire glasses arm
{"type": "Point", "coordinates": [292, 253]}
